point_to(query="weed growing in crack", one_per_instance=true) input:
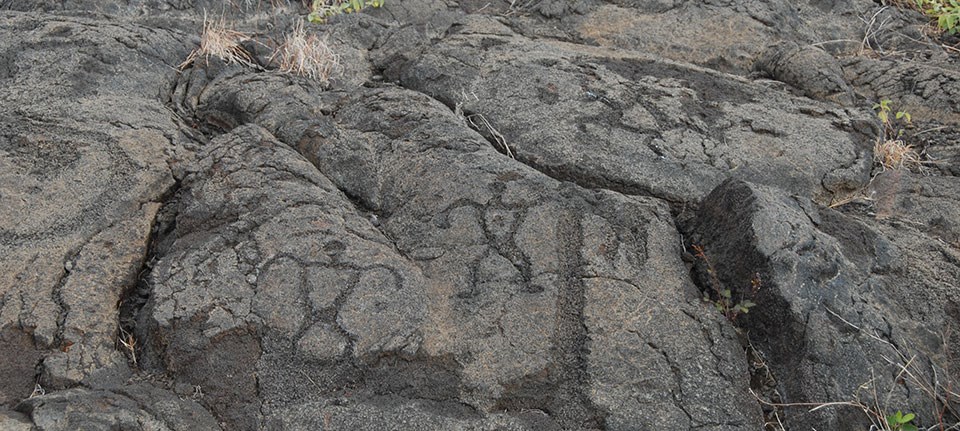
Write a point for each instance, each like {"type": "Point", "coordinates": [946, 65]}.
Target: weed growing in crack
{"type": "Point", "coordinates": [873, 412]}
{"type": "Point", "coordinates": [721, 297]}
{"type": "Point", "coordinates": [38, 390]}
{"type": "Point", "coordinates": [479, 123]}
{"type": "Point", "coordinates": [890, 151]}
{"type": "Point", "coordinates": [901, 422]}
{"type": "Point", "coordinates": [521, 7]}
{"type": "Point", "coordinates": [884, 108]}
{"type": "Point", "coordinates": [127, 341]}
{"type": "Point", "coordinates": [300, 53]}
{"type": "Point", "coordinates": [944, 16]}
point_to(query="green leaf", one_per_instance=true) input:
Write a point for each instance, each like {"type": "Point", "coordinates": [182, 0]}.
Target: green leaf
{"type": "Point", "coordinates": [725, 293]}
{"type": "Point", "coordinates": [907, 417]}
{"type": "Point", "coordinates": [894, 419]}
{"type": "Point", "coordinates": [909, 427]}
{"type": "Point", "coordinates": [951, 24]}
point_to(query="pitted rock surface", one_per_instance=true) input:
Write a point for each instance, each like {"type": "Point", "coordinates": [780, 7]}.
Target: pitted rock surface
{"type": "Point", "coordinates": [86, 148]}
{"type": "Point", "coordinates": [833, 284]}
{"type": "Point", "coordinates": [592, 115]}
{"type": "Point", "coordinates": [490, 257]}
{"type": "Point", "coordinates": [494, 215]}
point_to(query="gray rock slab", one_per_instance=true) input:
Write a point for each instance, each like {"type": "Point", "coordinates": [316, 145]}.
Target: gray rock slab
{"type": "Point", "coordinates": [636, 123]}
{"type": "Point", "coordinates": [84, 153]}
{"type": "Point", "coordinates": [14, 421]}
{"type": "Point", "coordinates": [846, 303]}
{"type": "Point", "coordinates": [928, 90]}
{"type": "Point", "coordinates": [509, 290]}
{"type": "Point", "coordinates": [132, 407]}
{"type": "Point", "coordinates": [481, 222]}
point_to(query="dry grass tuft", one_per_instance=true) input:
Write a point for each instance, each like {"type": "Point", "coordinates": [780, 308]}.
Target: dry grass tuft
{"type": "Point", "coordinates": [895, 154]}
{"type": "Point", "coordinates": [307, 55]}
{"type": "Point", "coordinates": [220, 42]}
{"type": "Point", "coordinates": [129, 344]}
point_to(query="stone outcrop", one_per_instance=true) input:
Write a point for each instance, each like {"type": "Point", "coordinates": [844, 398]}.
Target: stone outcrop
{"type": "Point", "coordinates": [494, 216]}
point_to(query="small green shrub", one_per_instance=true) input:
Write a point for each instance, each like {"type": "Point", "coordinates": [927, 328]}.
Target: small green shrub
{"type": "Point", "coordinates": [946, 12]}
{"type": "Point", "coordinates": [320, 10]}
{"type": "Point", "coordinates": [890, 151]}
{"type": "Point", "coordinates": [901, 422]}
{"type": "Point", "coordinates": [893, 127]}
{"type": "Point", "coordinates": [722, 297]}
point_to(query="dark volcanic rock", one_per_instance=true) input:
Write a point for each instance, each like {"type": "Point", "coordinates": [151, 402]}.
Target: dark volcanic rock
{"type": "Point", "coordinates": [77, 179]}
{"type": "Point", "coordinates": [130, 407]}
{"type": "Point", "coordinates": [837, 291]}
{"type": "Point", "coordinates": [482, 220]}
{"type": "Point", "coordinates": [84, 149]}
{"type": "Point", "coordinates": [595, 116]}
{"type": "Point", "coordinates": [811, 70]}
{"type": "Point", "coordinates": [927, 91]}
{"type": "Point", "coordinates": [472, 286]}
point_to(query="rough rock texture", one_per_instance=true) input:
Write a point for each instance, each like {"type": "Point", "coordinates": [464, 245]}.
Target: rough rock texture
{"type": "Point", "coordinates": [494, 215]}
{"type": "Point", "coordinates": [133, 406]}
{"type": "Point", "coordinates": [463, 256]}
{"type": "Point", "coordinates": [593, 116]}
{"type": "Point", "coordinates": [809, 69]}
{"type": "Point", "coordinates": [836, 294]}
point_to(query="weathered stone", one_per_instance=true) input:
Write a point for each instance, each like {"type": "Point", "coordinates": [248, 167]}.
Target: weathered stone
{"type": "Point", "coordinates": [596, 116]}
{"type": "Point", "coordinates": [14, 421]}
{"type": "Point", "coordinates": [505, 294]}
{"type": "Point", "coordinates": [834, 291]}
{"type": "Point", "coordinates": [134, 407]}
{"type": "Point", "coordinates": [85, 145]}
{"type": "Point", "coordinates": [482, 221]}
{"type": "Point", "coordinates": [811, 70]}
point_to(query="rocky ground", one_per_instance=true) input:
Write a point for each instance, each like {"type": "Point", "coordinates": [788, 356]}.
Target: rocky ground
{"type": "Point", "coordinates": [494, 215]}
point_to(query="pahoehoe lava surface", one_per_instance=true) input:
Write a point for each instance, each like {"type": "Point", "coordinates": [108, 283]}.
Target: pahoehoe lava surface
{"type": "Point", "coordinates": [494, 216]}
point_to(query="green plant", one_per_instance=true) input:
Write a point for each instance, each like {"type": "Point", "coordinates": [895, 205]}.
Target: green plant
{"type": "Point", "coordinates": [890, 150]}
{"type": "Point", "coordinates": [320, 10]}
{"type": "Point", "coordinates": [946, 12]}
{"type": "Point", "coordinates": [901, 422]}
{"type": "Point", "coordinates": [893, 126]}
{"type": "Point", "coordinates": [722, 297]}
